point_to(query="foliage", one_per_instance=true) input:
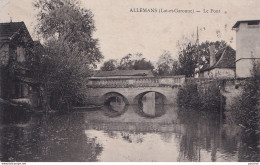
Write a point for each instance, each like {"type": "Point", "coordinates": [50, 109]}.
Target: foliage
{"type": "Point", "coordinates": [211, 98]}
{"type": "Point", "coordinates": [188, 60]}
{"type": "Point", "coordinates": [165, 64]}
{"type": "Point", "coordinates": [142, 64]}
{"type": "Point", "coordinates": [135, 62]}
{"type": "Point", "coordinates": [206, 97]}
{"type": "Point", "coordinates": [126, 62]}
{"type": "Point", "coordinates": [109, 65]}
{"type": "Point", "coordinates": [66, 20]}
{"type": "Point", "coordinates": [245, 111]}
{"type": "Point", "coordinates": [188, 95]}
{"type": "Point", "coordinates": [70, 49]}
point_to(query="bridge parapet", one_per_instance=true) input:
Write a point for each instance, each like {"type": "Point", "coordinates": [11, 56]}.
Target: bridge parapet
{"type": "Point", "coordinates": [125, 82]}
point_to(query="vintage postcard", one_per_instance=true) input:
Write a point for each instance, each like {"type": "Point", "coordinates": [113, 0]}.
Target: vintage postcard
{"type": "Point", "coordinates": [129, 81]}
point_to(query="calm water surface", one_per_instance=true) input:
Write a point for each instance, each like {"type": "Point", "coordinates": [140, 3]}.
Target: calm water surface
{"type": "Point", "coordinates": [117, 132]}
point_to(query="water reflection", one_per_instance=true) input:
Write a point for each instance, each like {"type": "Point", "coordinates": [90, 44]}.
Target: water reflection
{"type": "Point", "coordinates": [134, 146]}
{"type": "Point", "coordinates": [12, 114]}
{"type": "Point", "coordinates": [178, 135]}
{"type": "Point", "coordinates": [115, 106]}
{"type": "Point", "coordinates": [49, 138]}
{"type": "Point", "coordinates": [249, 147]}
{"type": "Point", "coordinates": [151, 104]}
{"type": "Point", "coordinates": [195, 136]}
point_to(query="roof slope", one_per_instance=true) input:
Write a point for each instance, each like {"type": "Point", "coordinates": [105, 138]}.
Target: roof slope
{"type": "Point", "coordinates": [227, 60]}
{"type": "Point", "coordinates": [8, 29]}
{"type": "Point", "coordinates": [115, 73]}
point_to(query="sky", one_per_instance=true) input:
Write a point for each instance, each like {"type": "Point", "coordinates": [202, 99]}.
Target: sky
{"type": "Point", "coordinates": [121, 32]}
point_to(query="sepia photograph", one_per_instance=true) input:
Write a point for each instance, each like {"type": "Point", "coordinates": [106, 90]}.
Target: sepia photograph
{"type": "Point", "coordinates": [129, 81]}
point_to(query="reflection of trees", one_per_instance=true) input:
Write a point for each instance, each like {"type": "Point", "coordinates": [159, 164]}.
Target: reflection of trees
{"type": "Point", "coordinates": [111, 134]}
{"type": "Point", "coordinates": [166, 136]}
{"type": "Point", "coordinates": [189, 142]}
{"type": "Point", "coordinates": [249, 147]}
{"type": "Point", "coordinates": [229, 139]}
{"type": "Point", "coordinates": [132, 137]}
{"type": "Point", "coordinates": [52, 138]}
{"type": "Point", "coordinates": [203, 130]}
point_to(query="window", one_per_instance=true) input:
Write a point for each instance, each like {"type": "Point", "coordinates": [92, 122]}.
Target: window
{"type": "Point", "coordinates": [20, 54]}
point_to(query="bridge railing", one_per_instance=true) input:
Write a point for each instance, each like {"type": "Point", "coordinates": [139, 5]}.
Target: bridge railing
{"type": "Point", "coordinates": [126, 82]}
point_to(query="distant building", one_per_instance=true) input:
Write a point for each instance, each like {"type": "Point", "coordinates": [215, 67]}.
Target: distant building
{"type": "Point", "coordinates": [16, 50]}
{"type": "Point", "coordinates": [223, 68]}
{"type": "Point", "coordinates": [247, 46]}
{"type": "Point", "coordinates": [122, 74]}
{"type": "Point", "coordinates": [122, 78]}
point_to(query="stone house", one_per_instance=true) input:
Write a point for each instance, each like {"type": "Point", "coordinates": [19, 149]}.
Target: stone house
{"type": "Point", "coordinates": [223, 68]}
{"type": "Point", "coordinates": [247, 46]}
{"type": "Point", "coordinates": [16, 58]}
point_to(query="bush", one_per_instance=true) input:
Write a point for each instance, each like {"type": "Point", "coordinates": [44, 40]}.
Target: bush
{"type": "Point", "coordinates": [245, 111]}
{"type": "Point", "coordinates": [211, 99]}
{"type": "Point", "coordinates": [188, 96]}
{"type": "Point", "coordinates": [204, 97]}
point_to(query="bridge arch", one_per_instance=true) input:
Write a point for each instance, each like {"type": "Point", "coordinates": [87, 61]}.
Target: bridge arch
{"type": "Point", "coordinates": [107, 97]}
{"type": "Point", "coordinates": [138, 97]}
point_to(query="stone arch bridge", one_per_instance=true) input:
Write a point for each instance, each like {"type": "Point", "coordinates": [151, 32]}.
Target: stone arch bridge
{"type": "Point", "coordinates": [131, 89]}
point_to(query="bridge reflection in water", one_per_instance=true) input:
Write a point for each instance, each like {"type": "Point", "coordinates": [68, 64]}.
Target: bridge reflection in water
{"type": "Point", "coordinates": [150, 104]}
{"type": "Point", "coordinates": [177, 135]}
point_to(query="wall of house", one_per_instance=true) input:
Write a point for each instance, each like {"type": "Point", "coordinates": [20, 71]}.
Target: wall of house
{"type": "Point", "coordinates": [244, 67]}
{"type": "Point", "coordinates": [248, 47]}
{"type": "Point", "coordinates": [219, 73]}
{"type": "Point", "coordinates": [224, 73]}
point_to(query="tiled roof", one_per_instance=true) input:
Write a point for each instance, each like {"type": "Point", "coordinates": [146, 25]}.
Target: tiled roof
{"type": "Point", "coordinates": [227, 60]}
{"type": "Point", "coordinates": [116, 73]}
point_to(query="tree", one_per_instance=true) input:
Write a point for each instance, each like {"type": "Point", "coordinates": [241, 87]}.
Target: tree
{"type": "Point", "coordinates": [135, 62]}
{"type": "Point", "coordinates": [70, 49]}
{"type": "Point", "coordinates": [165, 64]}
{"type": "Point", "coordinates": [175, 68]}
{"type": "Point", "coordinates": [188, 60]}
{"type": "Point", "coordinates": [142, 65]}
{"type": "Point", "coordinates": [126, 62]}
{"type": "Point", "coordinates": [109, 65]}
{"type": "Point", "coordinates": [194, 55]}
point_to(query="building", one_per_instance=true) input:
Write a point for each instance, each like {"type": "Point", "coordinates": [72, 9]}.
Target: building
{"type": "Point", "coordinates": [247, 46]}
{"type": "Point", "coordinates": [16, 57]}
{"type": "Point", "coordinates": [223, 68]}
{"type": "Point", "coordinates": [123, 74]}
{"type": "Point", "coordinates": [122, 78]}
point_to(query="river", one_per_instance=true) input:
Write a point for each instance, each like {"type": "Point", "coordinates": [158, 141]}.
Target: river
{"type": "Point", "coordinates": [150, 131]}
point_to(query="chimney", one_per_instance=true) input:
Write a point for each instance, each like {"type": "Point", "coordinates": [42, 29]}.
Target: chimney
{"type": "Point", "coordinates": [212, 57]}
